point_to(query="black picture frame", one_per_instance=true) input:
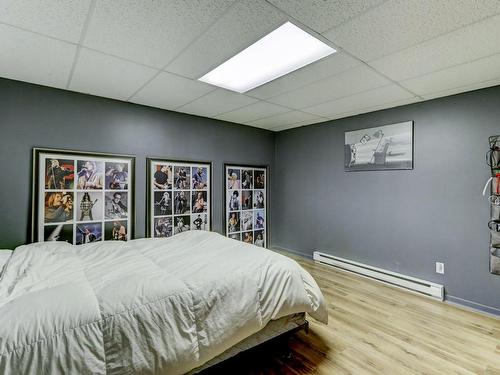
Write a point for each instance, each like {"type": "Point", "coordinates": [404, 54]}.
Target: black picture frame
{"type": "Point", "coordinates": [42, 154]}
{"type": "Point", "coordinates": [150, 163]}
{"type": "Point", "coordinates": [225, 211]}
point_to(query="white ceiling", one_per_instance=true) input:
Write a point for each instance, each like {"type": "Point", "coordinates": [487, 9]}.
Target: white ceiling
{"type": "Point", "coordinates": [151, 52]}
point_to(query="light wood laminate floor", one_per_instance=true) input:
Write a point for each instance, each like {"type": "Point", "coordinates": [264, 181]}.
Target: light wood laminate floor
{"type": "Point", "coordinates": [378, 329]}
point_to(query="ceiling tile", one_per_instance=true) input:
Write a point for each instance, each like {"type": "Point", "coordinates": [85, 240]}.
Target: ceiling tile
{"type": "Point", "coordinates": [216, 102]}
{"type": "Point", "coordinates": [482, 70]}
{"type": "Point", "coordinates": [169, 91]}
{"type": "Point", "coordinates": [376, 108]}
{"type": "Point", "coordinates": [298, 124]}
{"type": "Point", "coordinates": [253, 112]}
{"type": "Point", "coordinates": [345, 84]}
{"type": "Point", "coordinates": [461, 89]}
{"type": "Point", "coordinates": [285, 127]}
{"type": "Point", "coordinates": [454, 48]}
{"type": "Point", "coordinates": [331, 65]}
{"type": "Point", "coordinates": [241, 26]}
{"type": "Point", "coordinates": [399, 24]}
{"type": "Point", "coordinates": [150, 32]}
{"type": "Point", "coordinates": [321, 15]}
{"type": "Point", "coordinates": [367, 99]}
{"type": "Point", "coordinates": [103, 75]}
{"type": "Point", "coordinates": [292, 117]}
{"type": "Point", "coordinates": [59, 19]}
{"type": "Point", "coordinates": [34, 58]}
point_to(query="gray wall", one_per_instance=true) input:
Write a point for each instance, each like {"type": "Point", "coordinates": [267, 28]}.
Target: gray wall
{"type": "Point", "coordinates": [403, 221]}
{"type": "Point", "coordinates": [399, 220]}
{"type": "Point", "coordinates": [32, 115]}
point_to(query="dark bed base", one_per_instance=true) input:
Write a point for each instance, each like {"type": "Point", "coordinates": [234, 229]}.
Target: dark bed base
{"type": "Point", "coordinates": [212, 366]}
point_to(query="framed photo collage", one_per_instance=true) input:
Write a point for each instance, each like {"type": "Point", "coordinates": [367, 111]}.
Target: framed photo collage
{"type": "Point", "coordinates": [246, 203]}
{"type": "Point", "coordinates": [179, 196]}
{"type": "Point", "coordinates": [81, 197]}
{"type": "Point", "coordinates": [85, 197]}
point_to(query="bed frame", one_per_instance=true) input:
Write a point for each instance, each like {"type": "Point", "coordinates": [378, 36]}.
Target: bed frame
{"type": "Point", "coordinates": [275, 328]}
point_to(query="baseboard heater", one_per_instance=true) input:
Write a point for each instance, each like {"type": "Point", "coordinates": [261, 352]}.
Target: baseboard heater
{"type": "Point", "coordinates": [396, 279]}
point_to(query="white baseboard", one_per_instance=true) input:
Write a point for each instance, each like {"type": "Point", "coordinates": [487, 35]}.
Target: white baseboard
{"type": "Point", "coordinates": [399, 280]}
{"type": "Point", "coordinates": [452, 300]}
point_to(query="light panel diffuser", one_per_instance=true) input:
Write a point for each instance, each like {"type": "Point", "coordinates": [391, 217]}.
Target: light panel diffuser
{"type": "Point", "coordinates": [280, 52]}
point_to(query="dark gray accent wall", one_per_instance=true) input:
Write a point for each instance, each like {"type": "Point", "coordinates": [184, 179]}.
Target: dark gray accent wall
{"type": "Point", "coordinates": [402, 221]}
{"type": "Point", "coordinates": [33, 115]}
{"type": "Point", "coordinates": [399, 220]}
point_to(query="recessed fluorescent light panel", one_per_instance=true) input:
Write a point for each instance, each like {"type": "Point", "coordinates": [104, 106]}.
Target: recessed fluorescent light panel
{"type": "Point", "coordinates": [280, 52]}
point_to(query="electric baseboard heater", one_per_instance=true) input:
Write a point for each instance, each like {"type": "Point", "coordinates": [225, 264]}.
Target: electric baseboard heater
{"type": "Point", "coordinates": [412, 284]}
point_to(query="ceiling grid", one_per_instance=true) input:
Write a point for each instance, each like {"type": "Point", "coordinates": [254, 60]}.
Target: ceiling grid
{"type": "Point", "coordinates": [389, 53]}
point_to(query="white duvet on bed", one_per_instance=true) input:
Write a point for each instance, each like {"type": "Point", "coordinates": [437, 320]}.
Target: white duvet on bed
{"type": "Point", "coordinates": [149, 306]}
{"type": "Point", "coordinates": [4, 256]}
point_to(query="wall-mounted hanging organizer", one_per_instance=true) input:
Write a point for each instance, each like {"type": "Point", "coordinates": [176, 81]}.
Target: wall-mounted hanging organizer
{"type": "Point", "coordinates": [493, 160]}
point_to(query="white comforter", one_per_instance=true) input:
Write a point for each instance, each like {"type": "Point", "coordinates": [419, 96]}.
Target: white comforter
{"type": "Point", "coordinates": [147, 306]}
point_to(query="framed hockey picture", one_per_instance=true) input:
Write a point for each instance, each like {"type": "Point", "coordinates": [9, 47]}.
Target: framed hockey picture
{"type": "Point", "coordinates": [179, 196]}
{"type": "Point", "coordinates": [246, 203]}
{"type": "Point", "coordinates": [82, 197]}
{"type": "Point", "coordinates": [380, 148]}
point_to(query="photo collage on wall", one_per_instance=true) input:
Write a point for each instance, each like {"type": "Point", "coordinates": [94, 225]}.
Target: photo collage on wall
{"type": "Point", "coordinates": [82, 197]}
{"type": "Point", "coordinates": [179, 197]}
{"type": "Point", "coordinates": [246, 204]}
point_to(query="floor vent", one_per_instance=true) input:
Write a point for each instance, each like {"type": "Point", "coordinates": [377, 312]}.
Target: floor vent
{"type": "Point", "coordinates": [396, 279]}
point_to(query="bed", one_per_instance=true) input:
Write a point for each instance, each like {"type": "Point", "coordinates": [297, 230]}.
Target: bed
{"type": "Point", "coordinates": [149, 306]}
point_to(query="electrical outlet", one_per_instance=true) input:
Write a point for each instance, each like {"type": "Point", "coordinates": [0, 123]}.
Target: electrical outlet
{"type": "Point", "coordinates": [440, 267]}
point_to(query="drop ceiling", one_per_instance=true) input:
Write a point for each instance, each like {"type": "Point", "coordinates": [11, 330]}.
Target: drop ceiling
{"type": "Point", "coordinates": [152, 52]}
